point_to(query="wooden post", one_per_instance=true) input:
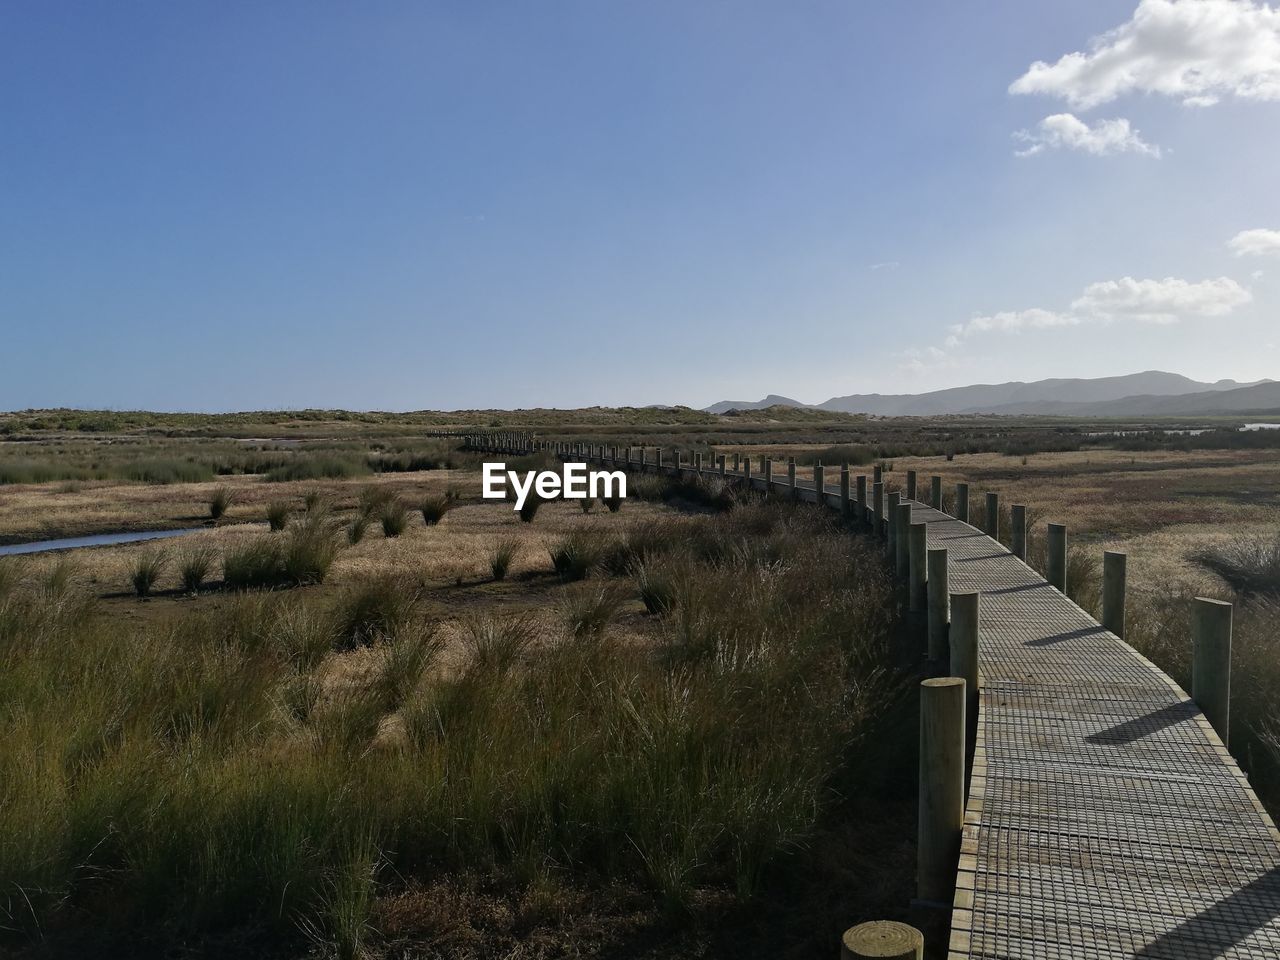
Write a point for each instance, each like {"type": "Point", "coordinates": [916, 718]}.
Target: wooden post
{"type": "Point", "coordinates": [697, 462]}
{"type": "Point", "coordinates": [1057, 558]}
{"type": "Point", "coordinates": [1018, 514]}
{"type": "Point", "coordinates": [911, 484]}
{"type": "Point", "coordinates": [746, 473]}
{"type": "Point", "coordinates": [935, 492]}
{"type": "Point", "coordinates": [941, 812]}
{"type": "Point", "coordinates": [902, 554]}
{"type": "Point", "coordinates": [1211, 662]}
{"type": "Point", "coordinates": [992, 529]}
{"type": "Point", "coordinates": [737, 462]}
{"type": "Point", "coordinates": [877, 474]}
{"type": "Point", "coordinates": [877, 507]}
{"type": "Point", "coordinates": [917, 544]}
{"type": "Point", "coordinates": [966, 609]}
{"type": "Point", "coordinates": [938, 613]}
{"type": "Point", "coordinates": [819, 485]}
{"type": "Point", "coordinates": [657, 459]}
{"type": "Point", "coordinates": [768, 475]}
{"type": "Point", "coordinates": [846, 508]}
{"type": "Point", "coordinates": [891, 525]}
{"type": "Point", "coordinates": [1113, 585]}
{"type": "Point", "coordinates": [720, 462]}
{"type": "Point", "coordinates": [962, 502]}
{"type": "Point", "coordinates": [791, 477]}
{"type": "Point", "coordinates": [883, 939]}
{"type": "Point", "coordinates": [860, 510]}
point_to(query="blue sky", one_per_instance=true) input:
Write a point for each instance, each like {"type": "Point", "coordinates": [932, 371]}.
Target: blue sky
{"type": "Point", "coordinates": [446, 205]}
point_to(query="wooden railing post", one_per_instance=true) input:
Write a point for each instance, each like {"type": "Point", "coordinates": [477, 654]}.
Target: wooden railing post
{"type": "Point", "coordinates": [891, 525]}
{"type": "Point", "coordinates": [819, 485]}
{"type": "Point", "coordinates": [877, 474]}
{"type": "Point", "coordinates": [902, 554]}
{"type": "Point", "coordinates": [791, 478]}
{"type": "Point", "coordinates": [938, 613]}
{"type": "Point", "coordinates": [746, 473]}
{"type": "Point", "coordinates": [860, 511]}
{"type": "Point", "coordinates": [962, 502]}
{"type": "Point", "coordinates": [941, 814]}
{"type": "Point", "coordinates": [1018, 516]}
{"type": "Point", "coordinates": [882, 939]}
{"type": "Point", "coordinates": [768, 474]}
{"type": "Point", "coordinates": [911, 484]}
{"type": "Point", "coordinates": [935, 493]}
{"type": "Point", "coordinates": [1056, 561]}
{"type": "Point", "coordinates": [737, 462]}
{"type": "Point", "coordinates": [720, 464]}
{"type": "Point", "coordinates": [877, 508]}
{"type": "Point", "coordinates": [966, 611]}
{"type": "Point", "coordinates": [697, 462]}
{"type": "Point", "coordinates": [917, 537]}
{"type": "Point", "coordinates": [1113, 588]}
{"type": "Point", "coordinates": [992, 528]}
{"type": "Point", "coordinates": [1211, 662]}
{"type": "Point", "coordinates": [846, 508]}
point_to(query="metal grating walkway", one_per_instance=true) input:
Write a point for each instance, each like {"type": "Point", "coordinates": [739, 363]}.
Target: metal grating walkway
{"type": "Point", "coordinates": [1105, 818]}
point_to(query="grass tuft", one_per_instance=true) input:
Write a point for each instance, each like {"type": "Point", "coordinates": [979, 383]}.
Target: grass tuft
{"type": "Point", "coordinates": [146, 571]}
{"type": "Point", "coordinates": [435, 507]}
{"type": "Point", "coordinates": [277, 515]}
{"type": "Point", "coordinates": [501, 555]}
{"type": "Point", "coordinates": [219, 501]}
{"type": "Point", "coordinates": [195, 566]}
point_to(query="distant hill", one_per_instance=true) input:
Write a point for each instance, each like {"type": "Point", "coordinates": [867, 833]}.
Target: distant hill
{"type": "Point", "coordinates": [1133, 394]}
{"type": "Point", "coordinates": [772, 400]}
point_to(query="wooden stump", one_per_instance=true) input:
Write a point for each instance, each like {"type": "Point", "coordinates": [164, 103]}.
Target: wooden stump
{"type": "Point", "coordinates": [882, 938]}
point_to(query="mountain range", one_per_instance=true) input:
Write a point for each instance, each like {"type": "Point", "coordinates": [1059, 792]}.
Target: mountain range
{"type": "Point", "coordinates": [1151, 393]}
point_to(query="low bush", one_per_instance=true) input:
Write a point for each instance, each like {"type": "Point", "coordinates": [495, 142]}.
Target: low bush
{"type": "Point", "coordinates": [588, 609]}
{"type": "Point", "coordinates": [1249, 565]}
{"type": "Point", "coordinates": [434, 508]}
{"type": "Point", "coordinates": [277, 514]}
{"type": "Point", "coordinates": [375, 610]}
{"type": "Point", "coordinates": [195, 566]}
{"type": "Point", "coordinates": [394, 517]}
{"type": "Point", "coordinates": [146, 571]}
{"type": "Point", "coordinates": [219, 501]}
{"type": "Point", "coordinates": [576, 555]}
{"type": "Point", "coordinates": [501, 555]}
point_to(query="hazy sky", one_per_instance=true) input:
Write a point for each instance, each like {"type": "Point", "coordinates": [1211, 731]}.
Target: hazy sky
{"type": "Point", "coordinates": [395, 206]}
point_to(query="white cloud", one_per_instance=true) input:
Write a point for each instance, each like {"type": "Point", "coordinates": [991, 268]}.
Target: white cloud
{"type": "Point", "coordinates": [1194, 50]}
{"type": "Point", "coordinates": [1144, 301]}
{"type": "Point", "coordinates": [1010, 321]}
{"type": "Point", "coordinates": [1160, 301]}
{"type": "Point", "coordinates": [886, 265]}
{"type": "Point", "coordinates": [1255, 243]}
{"type": "Point", "coordinates": [1065, 130]}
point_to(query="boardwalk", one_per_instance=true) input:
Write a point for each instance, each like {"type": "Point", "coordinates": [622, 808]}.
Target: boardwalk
{"type": "Point", "coordinates": [1105, 819]}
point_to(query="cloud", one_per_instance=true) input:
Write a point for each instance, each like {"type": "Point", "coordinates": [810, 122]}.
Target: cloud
{"type": "Point", "coordinates": [886, 265]}
{"type": "Point", "coordinates": [1143, 301]}
{"type": "Point", "coordinates": [1196, 51]}
{"type": "Point", "coordinates": [1160, 301]}
{"type": "Point", "coordinates": [1065, 130]}
{"type": "Point", "coordinates": [925, 360]}
{"type": "Point", "coordinates": [1255, 243]}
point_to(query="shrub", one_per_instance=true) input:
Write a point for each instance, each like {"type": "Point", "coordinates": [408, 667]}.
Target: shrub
{"type": "Point", "coordinates": [317, 468]}
{"type": "Point", "coordinates": [219, 502]}
{"type": "Point", "coordinates": [257, 563]}
{"type": "Point", "coordinates": [194, 568]}
{"type": "Point", "coordinates": [529, 509]}
{"type": "Point", "coordinates": [310, 549]}
{"type": "Point", "coordinates": [356, 529]}
{"type": "Point", "coordinates": [501, 556]}
{"type": "Point", "coordinates": [657, 588]}
{"type": "Point", "coordinates": [1249, 566]}
{"type": "Point", "coordinates": [613, 502]}
{"type": "Point", "coordinates": [495, 643]}
{"type": "Point", "coordinates": [585, 504]}
{"type": "Point", "coordinates": [146, 571]}
{"type": "Point", "coordinates": [277, 514]}
{"type": "Point", "coordinates": [574, 556]}
{"type": "Point", "coordinates": [434, 508]}
{"type": "Point", "coordinates": [588, 609]}
{"type": "Point", "coordinates": [394, 517]}
{"type": "Point", "coordinates": [375, 610]}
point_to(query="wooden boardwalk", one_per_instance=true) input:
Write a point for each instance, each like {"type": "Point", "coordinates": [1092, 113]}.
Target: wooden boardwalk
{"type": "Point", "coordinates": [1105, 819]}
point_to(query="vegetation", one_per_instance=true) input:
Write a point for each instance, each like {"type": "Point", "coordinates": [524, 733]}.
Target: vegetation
{"type": "Point", "coordinates": [278, 514]}
{"type": "Point", "coordinates": [195, 566]}
{"type": "Point", "coordinates": [219, 501]}
{"type": "Point", "coordinates": [1249, 565]}
{"type": "Point", "coordinates": [146, 571]}
{"type": "Point", "coordinates": [210, 773]}
{"type": "Point", "coordinates": [435, 507]}
{"type": "Point", "coordinates": [394, 517]}
{"type": "Point", "coordinates": [303, 556]}
{"type": "Point", "coordinates": [502, 555]}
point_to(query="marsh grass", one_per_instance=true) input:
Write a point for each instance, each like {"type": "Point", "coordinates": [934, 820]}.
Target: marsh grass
{"type": "Point", "coordinates": [304, 555]}
{"type": "Point", "coordinates": [588, 609]}
{"type": "Point", "coordinates": [219, 501]}
{"type": "Point", "coordinates": [195, 566]}
{"type": "Point", "coordinates": [1249, 565]}
{"type": "Point", "coordinates": [435, 507]}
{"type": "Point", "coordinates": [529, 509]}
{"type": "Point", "coordinates": [147, 569]}
{"type": "Point", "coordinates": [394, 517]}
{"type": "Point", "coordinates": [227, 773]}
{"type": "Point", "coordinates": [277, 515]}
{"type": "Point", "coordinates": [577, 554]}
{"type": "Point", "coordinates": [501, 555]}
